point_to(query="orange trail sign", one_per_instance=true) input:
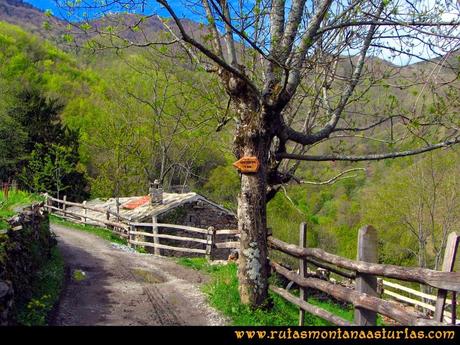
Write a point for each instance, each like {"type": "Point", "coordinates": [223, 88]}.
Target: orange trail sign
{"type": "Point", "coordinates": [247, 165]}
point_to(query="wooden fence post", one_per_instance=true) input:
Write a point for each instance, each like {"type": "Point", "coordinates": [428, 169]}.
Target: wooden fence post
{"type": "Point", "coordinates": [210, 239]}
{"type": "Point", "coordinates": [64, 206]}
{"type": "Point", "coordinates": [117, 201]}
{"type": "Point", "coordinates": [302, 270]}
{"type": "Point", "coordinates": [85, 213]}
{"type": "Point", "coordinates": [366, 283]}
{"type": "Point", "coordinates": [156, 240]}
{"type": "Point", "coordinates": [454, 307]}
{"type": "Point", "coordinates": [447, 266]}
{"type": "Point", "coordinates": [48, 202]}
{"type": "Point", "coordinates": [131, 237]}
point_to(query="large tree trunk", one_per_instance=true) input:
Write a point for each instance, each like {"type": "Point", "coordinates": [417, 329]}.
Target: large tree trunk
{"type": "Point", "coordinates": [253, 138]}
{"type": "Point", "coordinates": [252, 223]}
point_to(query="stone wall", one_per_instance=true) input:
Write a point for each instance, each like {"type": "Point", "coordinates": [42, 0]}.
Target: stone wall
{"type": "Point", "coordinates": [199, 214]}
{"type": "Point", "coordinates": [23, 250]}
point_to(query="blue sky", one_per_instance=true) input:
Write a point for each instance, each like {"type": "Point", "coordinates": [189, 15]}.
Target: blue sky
{"type": "Point", "coordinates": [51, 5]}
{"type": "Point", "coordinates": [188, 13]}
{"type": "Point", "coordinates": [44, 4]}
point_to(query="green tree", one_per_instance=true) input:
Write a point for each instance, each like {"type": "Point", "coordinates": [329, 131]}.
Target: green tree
{"type": "Point", "coordinates": [414, 209]}
{"type": "Point", "coordinates": [54, 169]}
{"type": "Point", "coordinates": [222, 185]}
{"type": "Point", "coordinates": [37, 81]}
{"type": "Point", "coordinates": [12, 146]}
{"type": "Point", "coordinates": [39, 116]}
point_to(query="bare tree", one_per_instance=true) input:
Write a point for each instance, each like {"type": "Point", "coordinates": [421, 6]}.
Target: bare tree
{"type": "Point", "coordinates": [416, 209]}
{"type": "Point", "coordinates": [299, 74]}
{"type": "Point", "coordinates": [161, 141]}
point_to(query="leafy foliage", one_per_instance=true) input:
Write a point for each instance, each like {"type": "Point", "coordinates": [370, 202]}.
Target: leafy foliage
{"type": "Point", "coordinates": [54, 169]}
{"type": "Point", "coordinates": [12, 142]}
{"type": "Point", "coordinates": [125, 119]}
{"type": "Point", "coordinates": [415, 208]}
{"type": "Point", "coordinates": [46, 291]}
{"type": "Point", "coordinates": [16, 198]}
{"type": "Point", "coordinates": [35, 143]}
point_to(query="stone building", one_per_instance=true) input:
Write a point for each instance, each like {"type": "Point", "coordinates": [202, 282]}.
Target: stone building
{"type": "Point", "coordinates": [189, 209]}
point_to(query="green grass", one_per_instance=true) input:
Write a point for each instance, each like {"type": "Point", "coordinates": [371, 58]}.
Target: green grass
{"type": "Point", "coordinates": [16, 198]}
{"type": "Point", "coordinates": [223, 294]}
{"type": "Point", "coordinates": [78, 275]}
{"type": "Point", "coordinates": [46, 290]}
{"type": "Point", "coordinates": [99, 232]}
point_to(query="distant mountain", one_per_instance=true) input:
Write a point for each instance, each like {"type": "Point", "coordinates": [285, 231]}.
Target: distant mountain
{"type": "Point", "coordinates": [33, 19]}
{"type": "Point", "coordinates": [37, 22]}
{"type": "Point", "coordinates": [29, 18]}
{"type": "Point", "coordinates": [132, 28]}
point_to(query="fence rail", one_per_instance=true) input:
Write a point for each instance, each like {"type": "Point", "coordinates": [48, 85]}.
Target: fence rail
{"type": "Point", "coordinates": [135, 232]}
{"type": "Point", "coordinates": [86, 207]}
{"type": "Point", "coordinates": [443, 280]}
{"type": "Point", "coordinates": [424, 303]}
{"type": "Point", "coordinates": [364, 295]}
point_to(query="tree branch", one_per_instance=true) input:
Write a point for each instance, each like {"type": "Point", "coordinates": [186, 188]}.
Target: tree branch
{"type": "Point", "coordinates": [297, 58]}
{"type": "Point", "coordinates": [335, 178]}
{"type": "Point", "coordinates": [189, 51]}
{"type": "Point", "coordinates": [231, 51]}
{"type": "Point", "coordinates": [386, 23]}
{"type": "Point", "coordinates": [241, 34]}
{"type": "Point", "coordinates": [206, 51]}
{"type": "Point", "coordinates": [306, 139]}
{"type": "Point", "coordinates": [276, 23]}
{"type": "Point", "coordinates": [369, 157]}
{"type": "Point", "coordinates": [292, 27]}
{"type": "Point", "coordinates": [213, 29]}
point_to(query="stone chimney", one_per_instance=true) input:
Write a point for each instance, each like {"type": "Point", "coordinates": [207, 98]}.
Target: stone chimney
{"type": "Point", "coordinates": [156, 193]}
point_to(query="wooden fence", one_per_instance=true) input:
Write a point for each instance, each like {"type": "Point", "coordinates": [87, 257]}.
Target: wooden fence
{"type": "Point", "coordinates": [364, 271]}
{"type": "Point", "coordinates": [136, 233]}
{"type": "Point", "coordinates": [416, 298]}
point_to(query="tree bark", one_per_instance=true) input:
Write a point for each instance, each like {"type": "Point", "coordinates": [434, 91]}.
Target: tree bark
{"type": "Point", "coordinates": [252, 223]}
{"type": "Point", "coordinates": [253, 138]}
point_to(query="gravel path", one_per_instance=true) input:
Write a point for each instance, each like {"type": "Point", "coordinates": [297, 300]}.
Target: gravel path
{"type": "Point", "coordinates": [108, 285]}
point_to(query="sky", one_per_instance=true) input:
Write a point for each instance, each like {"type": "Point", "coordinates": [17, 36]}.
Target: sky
{"type": "Point", "coordinates": [44, 5]}
{"type": "Point", "coordinates": [51, 5]}
{"type": "Point", "coordinates": [58, 12]}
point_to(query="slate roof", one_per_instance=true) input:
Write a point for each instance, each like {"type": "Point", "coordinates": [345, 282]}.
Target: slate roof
{"type": "Point", "coordinates": [145, 211]}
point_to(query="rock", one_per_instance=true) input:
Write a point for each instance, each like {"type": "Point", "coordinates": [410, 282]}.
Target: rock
{"type": "Point", "coordinates": [234, 255]}
{"type": "Point", "coordinates": [6, 302]}
{"type": "Point", "coordinates": [27, 244]}
{"type": "Point", "coordinates": [4, 289]}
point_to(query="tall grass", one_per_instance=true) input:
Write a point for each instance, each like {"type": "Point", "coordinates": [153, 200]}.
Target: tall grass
{"type": "Point", "coordinates": [222, 292]}
{"type": "Point", "coordinates": [105, 234]}
{"type": "Point", "coordinates": [10, 206]}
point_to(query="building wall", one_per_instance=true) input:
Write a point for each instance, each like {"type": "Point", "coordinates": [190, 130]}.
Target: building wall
{"type": "Point", "coordinates": [199, 214]}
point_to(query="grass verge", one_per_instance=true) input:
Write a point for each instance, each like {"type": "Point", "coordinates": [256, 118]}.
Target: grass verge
{"type": "Point", "coordinates": [46, 290]}
{"type": "Point", "coordinates": [15, 199]}
{"type": "Point", "coordinates": [105, 234]}
{"type": "Point", "coordinates": [223, 295]}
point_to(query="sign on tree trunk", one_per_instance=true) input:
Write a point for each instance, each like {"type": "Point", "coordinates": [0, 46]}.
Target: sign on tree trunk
{"type": "Point", "coordinates": [247, 165]}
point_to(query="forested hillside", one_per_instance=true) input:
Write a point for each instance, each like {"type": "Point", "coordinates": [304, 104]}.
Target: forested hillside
{"type": "Point", "coordinates": [89, 125]}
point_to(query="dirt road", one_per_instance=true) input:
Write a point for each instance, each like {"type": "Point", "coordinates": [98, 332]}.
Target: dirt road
{"type": "Point", "coordinates": [109, 286]}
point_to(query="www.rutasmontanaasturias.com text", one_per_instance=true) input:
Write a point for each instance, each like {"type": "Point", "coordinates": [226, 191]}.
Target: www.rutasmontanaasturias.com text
{"type": "Point", "coordinates": [379, 333]}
